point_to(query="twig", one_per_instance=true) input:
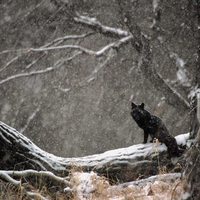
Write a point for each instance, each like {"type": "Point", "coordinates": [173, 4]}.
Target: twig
{"type": "Point", "coordinates": [36, 195]}
{"type": "Point", "coordinates": [30, 118]}
{"type": "Point", "coordinates": [9, 63]}
{"type": "Point", "coordinates": [85, 50]}
{"type": "Point", "coordinates": [173, 92]}
{"type": "Point", "coordinates": [35, 61]}
{"type": "Point", "coordinates": [67, 37]}
{"type": "Point", "coordinates": [101, 65]}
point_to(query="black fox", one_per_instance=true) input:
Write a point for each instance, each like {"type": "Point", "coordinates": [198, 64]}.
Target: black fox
{"type": "Point", "coordinates": [154, 127]}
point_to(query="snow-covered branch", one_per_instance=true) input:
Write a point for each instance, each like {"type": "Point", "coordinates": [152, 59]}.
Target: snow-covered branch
{"type": "Point", "coordinates": [100, 66]}
{"type": "Point", "coordinates": [160, 177]}
{"type": "Point", "coordinates": [59, 40]}
{"type": "Point", "coordinates": [100, 52]}
{"type": "Point", "coordinates": [124, 38]}
{"type": "Point", "coordinates": [24, 173]}
{"type": "Point", "coordinates": [96, 25]}
{"type": "Point", "coordinates": [21, 181]}
{"type": "Point", "coordinates": [7, 177]}
{"type": "Point", "coordinates": [85, 50]}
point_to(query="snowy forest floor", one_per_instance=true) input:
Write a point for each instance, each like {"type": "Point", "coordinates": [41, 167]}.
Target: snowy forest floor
{"type": "Point", "coordinates": [93, 187]}
{"type": "Point", "coordinates": [51, 182]}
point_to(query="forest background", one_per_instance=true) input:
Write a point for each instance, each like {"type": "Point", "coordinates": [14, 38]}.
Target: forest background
{"type": "Point", "coordinates": [70, 69]}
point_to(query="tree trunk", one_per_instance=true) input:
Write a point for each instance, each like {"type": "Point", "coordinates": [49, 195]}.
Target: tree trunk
{"type": "Point", "coordinates": [192, 172]}
{"type": "Point", "coordinates": [126, 164]}
{"type": "Point", "coordinates": [142, 44]}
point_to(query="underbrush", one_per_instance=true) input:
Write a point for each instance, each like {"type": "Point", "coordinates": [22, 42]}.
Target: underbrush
{"type": "Point", "coordinates": [90, 186]}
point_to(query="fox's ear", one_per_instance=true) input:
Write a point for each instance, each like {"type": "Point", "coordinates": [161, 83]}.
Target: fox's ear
{"type": "Point", "coordinates": [133, 105]}
{"type": "Point", "coordinates": [142, 105]}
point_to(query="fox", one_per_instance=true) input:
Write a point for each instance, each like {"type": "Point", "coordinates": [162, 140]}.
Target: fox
{"type": "Point", "coordinates": [155, 127]}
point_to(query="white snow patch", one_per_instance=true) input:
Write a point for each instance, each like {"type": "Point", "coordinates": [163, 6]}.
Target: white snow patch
{"type": "Point", "coordinates": [182, 139]}
{"type": "Point", "coordinates": [92, 186]}
{"type": "Point", "coordinates": [193, 92]}
{"type": "Point", "coordinates": [182, 73]}
{"type": "Point", "coordinates": [185, 195]}
{"type": "Point", "coordinates": [83, 183]}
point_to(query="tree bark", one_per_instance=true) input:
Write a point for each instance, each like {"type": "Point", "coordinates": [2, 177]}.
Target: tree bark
{"type": "Point", "coordinates": [126, 164]}
{"type": "Point", "coordinates": [192, 171]}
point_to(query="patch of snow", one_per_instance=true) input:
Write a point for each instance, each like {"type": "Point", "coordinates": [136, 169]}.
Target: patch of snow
{"type": "Point", "coordinates": [182, 73]}
{"type": "Point", "coordinates": [67, 189]}
{"type": "Point", "coordinates": [182, 139]}
{"type": "Point", "coordinates": [161, 177]}
{"type": "Point", "coordinates": [91, 186]}
{"type": "Point", "coordinates": [193, 92]}
{"type": "Point", "coordinates": [185, 195]}
{"type": "Point", "coordinates": [83, 183]}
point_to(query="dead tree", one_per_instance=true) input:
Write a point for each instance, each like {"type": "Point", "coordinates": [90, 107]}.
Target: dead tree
{"type": "Point", "coordinates": [127, 164]}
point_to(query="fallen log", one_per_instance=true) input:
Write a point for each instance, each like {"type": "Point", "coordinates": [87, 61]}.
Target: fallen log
{"type": "Point", "coordinates": [18, 153]}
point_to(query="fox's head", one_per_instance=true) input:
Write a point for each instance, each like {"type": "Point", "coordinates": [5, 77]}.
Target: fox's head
{"type": "Point", "coordinates": [137, 112]}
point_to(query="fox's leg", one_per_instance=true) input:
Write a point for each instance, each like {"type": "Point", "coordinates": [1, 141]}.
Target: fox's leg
{"type": "Point", "coordinates": [146, 134]}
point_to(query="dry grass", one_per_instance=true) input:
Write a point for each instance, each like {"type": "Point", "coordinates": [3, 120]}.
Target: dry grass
{"type": "Point", "coordinates": [89, 186]}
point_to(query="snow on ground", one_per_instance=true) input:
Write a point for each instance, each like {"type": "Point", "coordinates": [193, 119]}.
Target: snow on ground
{"type": "Point", "coordinates": [182, 139]}
{"type": "Point", "coordinates": [90, 186]}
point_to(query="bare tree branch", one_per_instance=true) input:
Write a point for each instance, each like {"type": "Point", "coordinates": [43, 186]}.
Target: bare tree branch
{"type": "Point", "coordinates": [58, 64]}
{"type": "Point", "coordinates": [67, 37]}
{"type": "Point", "coordinates": [93, 75]}
{"type": "Point", "coordinates": [85, 50]}
{"type": "Point", "coordinates": [174, 96]}
{"type": "Point", "coordinates": [97, 26]}
{"type": "Point", "coordinates": [30, 172]}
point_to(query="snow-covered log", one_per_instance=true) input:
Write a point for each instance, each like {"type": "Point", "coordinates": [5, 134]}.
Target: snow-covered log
{"type": "Point", "coordinates": [125, 164]}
